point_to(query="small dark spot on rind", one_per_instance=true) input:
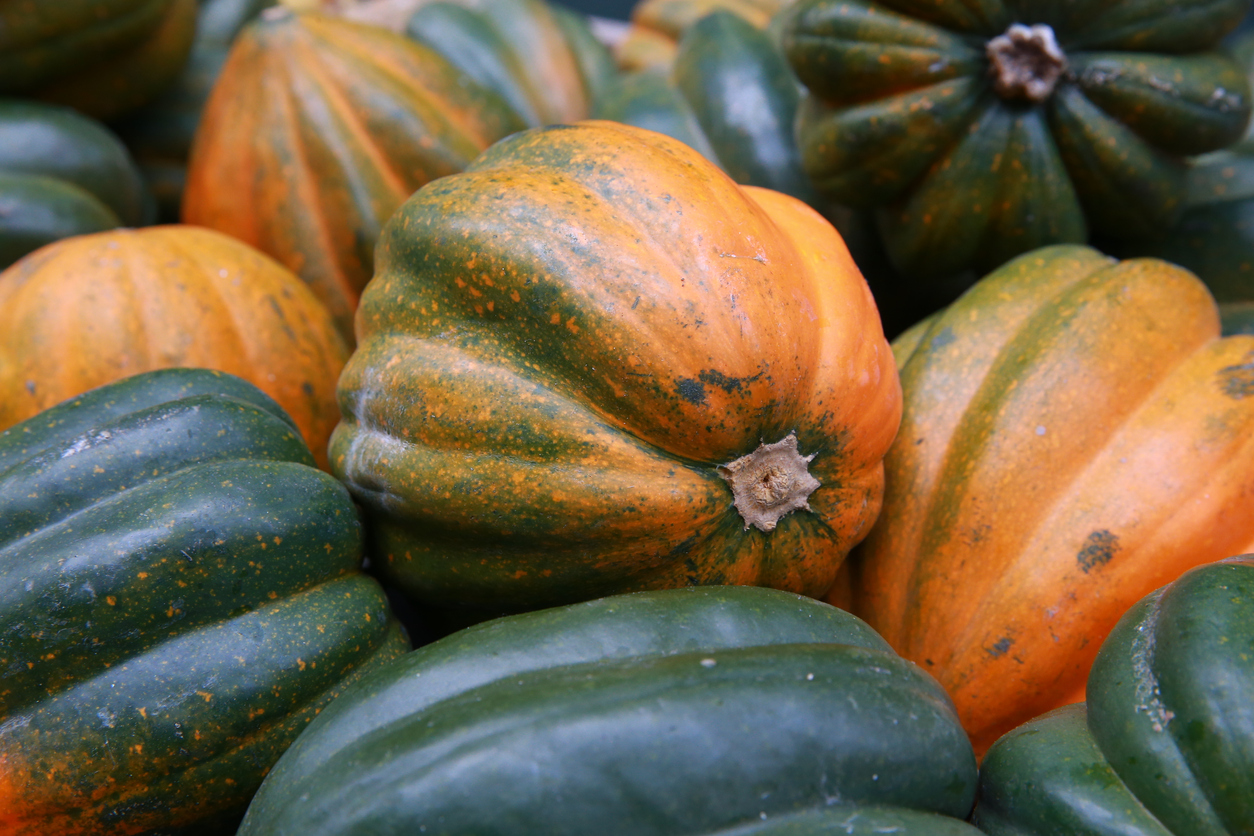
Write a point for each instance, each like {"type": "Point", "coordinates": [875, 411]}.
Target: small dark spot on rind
{"type": "Point", "coordinates": [1000, 648]}
{"type": "Point", "coordinates": [1237, 381]}
{"type": "Point", "coordinates": [1099, 548]}
{"type": "Point", "coordinates": [691, 390]}
{"type": "Point", "coordinates": [727, 384]}
{"type": "Point", "coordinates": [942, 338]}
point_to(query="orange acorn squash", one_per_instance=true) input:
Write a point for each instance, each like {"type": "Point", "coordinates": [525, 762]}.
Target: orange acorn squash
{"type": "Point", "coordinates": [1076, 434]}
{"type": "Point", "coordinates": [592, 363]}
{"type": "Point", "coordinates": [89, 310]}
{"type": "Point", "coordinates": [316, 130]}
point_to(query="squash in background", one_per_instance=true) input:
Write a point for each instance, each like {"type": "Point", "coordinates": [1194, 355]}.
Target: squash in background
{"type": "Point", "coordinates": [539, 57]}
{"type": "Point", "coordinates": [122, 81]}
{"type": "Point", "coordinates": [41, 41]}
{"type": "Point", "coordinates": [61, 174]}
{"type": "Point", "coordinates": [684, 711]}
{"type": "Point", "coordinates": [729, 94]}
{"type": "Point", "coordinates": [91, 309]}
{"type": "Point", "coordinates": [1165, 743]}
{"type": "Point", "coordinates": [159, 135]}
{"type": "Point", "coordinates": [1075, 435]}
{"type": "Point", "coordinates": [592, 363]}
{"type": "Point", "coordinates": [181, 594]}
{"type": "Point", "coordinates": [983, 131]}
{"type": "Point", "coordinates": [657, 26]}
{"type": "Point", "coordinates": [317, 130]}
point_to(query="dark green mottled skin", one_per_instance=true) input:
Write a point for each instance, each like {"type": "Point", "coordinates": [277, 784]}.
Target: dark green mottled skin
{"type": "Point", "coordinates": [902, 116]}
{"type": "Point", "coordinates": [61, 174]}
{"type": "Point", "coordinates": [40, 41]}
{"type": "Point", "coordinates": [179, 594]}
{"type": "Point", "coordinates": [1163, 745]}
{"type": "Point", "coordinates": [675, 712]}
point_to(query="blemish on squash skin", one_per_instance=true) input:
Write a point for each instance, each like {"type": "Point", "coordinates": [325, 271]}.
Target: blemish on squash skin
{"type": "Point", "coordinates": [1237, 381]}
{"type": "Point", "coordinates": [1099, 547]}
{"type": "Point", "coordinates": [1001, 647]}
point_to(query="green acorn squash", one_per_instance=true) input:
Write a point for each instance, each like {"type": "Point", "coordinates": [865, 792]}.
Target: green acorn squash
{"type": "Point", "coordinates": [729, 94]}
{"type": "Point", "coordinates": [179, 595]}
{"type": "Point", "coordinates": [676, 712]}
{"type": "Point", "coordinates": [982, 131]}
{"type": "Point", "coordinates": [591, 363]}
{"type": "Point", "coordinates": [539, 57]}
{"type": "Point", "coordinates": [1164, 744]}
{"type": "Point", "coordinates": [61, 174]}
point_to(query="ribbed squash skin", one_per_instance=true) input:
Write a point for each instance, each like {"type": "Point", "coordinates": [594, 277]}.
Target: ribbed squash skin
{"type": "Point", "coordinates": [563, 344]}
{"type": "Point", "coordinates": [902, 115]}
{"type": "Point", "coordinates": [540, 57]}
{"type": "Point", "coordinates": [180, 595]}
{"type": "Point", "coordinates": [729, 94]}
{"type": "Point", "coordinates": [675, 712]}
{"type": "Point", "coordinates": [317, 130]}
{"type": "Point", "coordinates": [1075, 435]}
{"type": "Point", "coordinates": [122, 81]}
{"type": "Point", "coordinates": [159, 135]}
{"type": "Point", "coordinates": [40, 41]}
{"type": "Point", "coordinates": [61, 174]}
{"type": "Point", "coordinates": [91, 309]}
{"type": "Point", "coordinates": [1165, 744]}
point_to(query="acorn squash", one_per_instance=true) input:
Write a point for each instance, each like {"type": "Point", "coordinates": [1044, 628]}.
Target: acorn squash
{"type": "Point", "coordinates": [179, 595]}
{"type": "Point", "coordinates": [592, 363]}
{"type": "Point", "coordinates": [317, 130]}
{"type": "Point", "coordinates": [1164, 744]}
{"type": "Point", "coordinates": [1076, 434]}
{"type": "Point", "coordinates": [685, 711]}
{"type": "Point", "coordinates": [982, 131]}
{"type": "Point", "coordinates": [88, 310]}
{"type": "Point", "coordinates": [61, 174]}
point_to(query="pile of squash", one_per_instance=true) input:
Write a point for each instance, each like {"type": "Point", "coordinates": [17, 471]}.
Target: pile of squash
{"type": "Point", "coordinates": [765, 419]}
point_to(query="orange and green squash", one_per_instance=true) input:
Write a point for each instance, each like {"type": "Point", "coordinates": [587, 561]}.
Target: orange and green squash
{"type": "Point", "coordinates": [982, 131]}
{"type": "Point", "coordinates": [730, 710]}
{"type": "Point", "coordinates": [1164, 744]}
{"type": "Point", "coordinates": [180, 594]}
{"type": "Point", "coordinates": [317, 130]}
{"type": "Point", "coordinates": [1076, 433]}
{"type": "Point", "coordinates": [88, 310]}
{"type": "Point", "coordinates": [61, 174]}
{"type": "Point", "coordinates": [159, 135]}
{"type": "Point", "coordinates": [538, 56]}
{"type": "Point", "coordinates": [592, 363]}
{"type": "Point", "coordinates": [657, 27]}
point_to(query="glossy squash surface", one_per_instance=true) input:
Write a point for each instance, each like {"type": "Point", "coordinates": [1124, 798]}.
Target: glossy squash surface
{"type": "Point", "coordinates": [179, 595]}
{"type": "Point", "coordinates": [317, 130]}
{"type": "Point", "coordinates": [1165, 744]}
{"type": "Point", "coordinates": [566, 349]}
{"type": "Point", "coordinates": [984, 131]}
{"type": "Point", "coordinates": [1075, 434]}
{"type": "Point", "coordinates": [61, 174]}
{"type": "Point", "coordinates": [675, 712]}
{"type": "Point", "coordinates": [540, 57]}
{"type": "Point", "coordinates": [731, 95]}
{"type": "Point", "coordinates": [91, 309]}
{"type": "Point", "coordinates": [659, 25]}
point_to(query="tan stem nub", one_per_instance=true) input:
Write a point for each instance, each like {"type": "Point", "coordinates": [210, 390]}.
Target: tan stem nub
{"type": "Point", "coordinates": [1025, 62]}
{"type": "Point", "coordinates": [770, 482]}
